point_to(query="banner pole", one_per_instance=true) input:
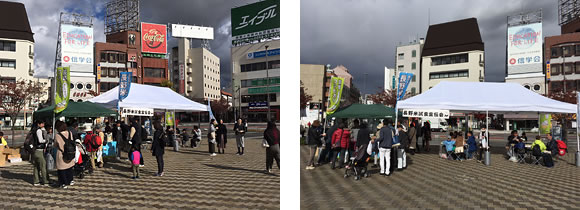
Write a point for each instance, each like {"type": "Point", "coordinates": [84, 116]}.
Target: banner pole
{"type": "Point", "coordinates": [577, 129]}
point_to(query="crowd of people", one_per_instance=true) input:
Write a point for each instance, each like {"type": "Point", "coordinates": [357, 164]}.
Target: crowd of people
{"type": "Point", "coordinates": [518, 148]}
{"type": "Point", "coordinates": [461, 147]}
{"type": "Point", "coordinates": [388, 145]}
{"type": "Point", "coordinates": [75, 151]}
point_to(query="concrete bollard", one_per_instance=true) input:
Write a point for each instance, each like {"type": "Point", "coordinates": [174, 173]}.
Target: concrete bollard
{"type": "Point", "coordinates": [175, 146]}
{"type": "Point", "coordinates": [487, 158]}
{"type": "Point", "coordinates": [578, 159]}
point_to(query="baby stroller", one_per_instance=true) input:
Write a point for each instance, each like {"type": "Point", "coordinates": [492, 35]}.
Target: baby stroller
{"type": "Point", "coordinates": [82, 161]}
{"type": "Point", "coordinates": [357, 165]}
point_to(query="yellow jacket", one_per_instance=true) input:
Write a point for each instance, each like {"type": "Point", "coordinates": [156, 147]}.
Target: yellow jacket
{"type": "Point", "coordinates": [3, 141]}
{"type": "Point", "coordinates": [539, 142]}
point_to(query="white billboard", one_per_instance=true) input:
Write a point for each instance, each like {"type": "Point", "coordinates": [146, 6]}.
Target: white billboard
{"type": "Point", "coordinates": [77, 48]}
{"type": "Point", "coordinates": [194, 32]}
{"type": "Point", "coordinates": [524, 45]}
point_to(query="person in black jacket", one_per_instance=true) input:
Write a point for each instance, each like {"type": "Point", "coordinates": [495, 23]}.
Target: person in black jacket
{"type": "Point", "coordinates": [240, 128]}
{"type": "Point", "coordinates": [324, 156]}
{"type": "Point", "coordinates": [118, 137]}
{"type": "Point", "coordinates": [315, 136]}
{"type": "Point", "coordinates": [401, 154]}
{"type": "Point", "coordinates": [363, 136]}
{"type": "Point", "coordinates": [222, 137]}
{"type": "Point", "coordinates": [136, 140]}
{"type": "Point", "coordinates": [419, 135]}
{"type": "Point", "coordinates": [272, 136]}
{"type": "Point", "coordinates": [158, 147]}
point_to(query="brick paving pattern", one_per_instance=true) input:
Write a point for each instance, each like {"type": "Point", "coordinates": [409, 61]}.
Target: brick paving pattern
{"type": "Point", "coordinates": [434, 183]}
{"type": "Point", "coordinates": [192, 179]}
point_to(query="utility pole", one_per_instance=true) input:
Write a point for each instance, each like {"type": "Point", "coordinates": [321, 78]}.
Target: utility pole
{"type": "Point", "coordinates": [564, 68]}
{"type": "Point", "coordinates": [267, 83]}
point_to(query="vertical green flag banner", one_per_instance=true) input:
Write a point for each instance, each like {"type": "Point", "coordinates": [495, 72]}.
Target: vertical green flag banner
{"type": "Point", "coordinates": [169, 118]}
{"type": "Point", "coordinates": [62, 90]}
{"type": "Point", "coordinates": [252, 22]}
{"type": "Point", "coordinates": [545, 123]}
{"type": "Point", "coordinates": [336, 84]}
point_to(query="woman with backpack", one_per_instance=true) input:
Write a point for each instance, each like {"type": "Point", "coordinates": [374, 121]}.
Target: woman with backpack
{"type": "Point", "coordinates": [158, 146]}
{"type": "Point", "coordinates": [64, 161]}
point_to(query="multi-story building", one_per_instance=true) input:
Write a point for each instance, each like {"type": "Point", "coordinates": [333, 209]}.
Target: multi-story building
{"type": "Point", "coordinates": [313, 79]}
{"type": "Point", "coordinates": [122, 53]}
{"type": "Point", "coordinates": [453, 51]}
{"type": "Point", "coordinates": [201, 72]}
{"type": "Point", "coordinates": [350, 94]}
{"type": "Point", "coordinates": [250, 76]}
{"type": "Point", "coordinates": [16, 43]}
{"type": "Point", "coordinates": [563, 54]}
{"type": "Point", "coordinates": [408, 59]}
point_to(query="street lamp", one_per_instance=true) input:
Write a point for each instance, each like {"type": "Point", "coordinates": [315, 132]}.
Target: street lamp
{"type": "Point", "coordinates": [267, 84]}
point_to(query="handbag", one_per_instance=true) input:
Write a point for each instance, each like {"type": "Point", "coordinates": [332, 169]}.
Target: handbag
{"type": "Point", "coordinates": [370, 149]}
{"type": "Point", "coordinates": [265, 143]}
{"type": "Point", "coordinates": [337, 143]}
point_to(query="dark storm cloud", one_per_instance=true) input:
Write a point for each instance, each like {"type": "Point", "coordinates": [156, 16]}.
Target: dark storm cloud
{"type": "Point", "coordinates": [363, 35]}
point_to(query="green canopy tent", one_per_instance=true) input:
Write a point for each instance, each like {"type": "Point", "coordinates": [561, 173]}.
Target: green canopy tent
{"type": "Point", "coordinates": [365, 111]}
{"type": "Point", "coordinates": [76, 109]}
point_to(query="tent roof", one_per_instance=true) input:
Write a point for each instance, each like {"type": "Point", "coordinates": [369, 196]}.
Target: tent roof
{"type": "Point", "coordinates": [365, 111]}
{"type": "Point", "coordinates": [76, 109]}
{"type": "Point", "coordinates": [484, 96]}
{"type": "Point", "coordinates": [147, 96]}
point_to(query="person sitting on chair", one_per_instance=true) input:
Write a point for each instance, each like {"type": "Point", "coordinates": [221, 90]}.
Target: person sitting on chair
{"type": "Point", "coordinates": [449, 143]}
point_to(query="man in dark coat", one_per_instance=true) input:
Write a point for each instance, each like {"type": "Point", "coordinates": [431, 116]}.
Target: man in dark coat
{"type": "Point", "coordinates": [324, 156]}
{"type": "Point", "coordinates": [401, 154]}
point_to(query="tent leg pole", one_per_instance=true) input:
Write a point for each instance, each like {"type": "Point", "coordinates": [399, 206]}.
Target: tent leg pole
{"type": "Point", "coordinates": [540, 125]}
{"type": "Point", "coordinates": [577, 129]}
{"type": "Point", "coordinates": [487, 153]}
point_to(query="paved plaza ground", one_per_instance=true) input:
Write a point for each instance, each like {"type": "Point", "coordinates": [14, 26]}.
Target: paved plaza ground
{"type": "Point", "coordinates": [192, 179]}
{"type": "Point", "coordinates": [431, 182]}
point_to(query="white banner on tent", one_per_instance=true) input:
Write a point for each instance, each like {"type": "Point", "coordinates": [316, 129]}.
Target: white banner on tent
{"type": "Point", "coordinates": [426, 113]}
{"type": "Point", "coordinates": [136, 112]}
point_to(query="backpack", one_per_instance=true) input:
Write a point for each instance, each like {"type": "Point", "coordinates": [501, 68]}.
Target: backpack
{"type": "Point", "coordinates": [562, 148]}
{"type": "Point", "coordinates": [69, 148]}
{"type": "Point", "coordinates": [163, 140]}
{"type": "Point", "coordinates": [548, 162]}
{"type": "Point", "coordinates": [536, 151]}
{"type": "Point", "coordinates": [94, 141]}
{"type": "Point", "coordinates": [30, 142]}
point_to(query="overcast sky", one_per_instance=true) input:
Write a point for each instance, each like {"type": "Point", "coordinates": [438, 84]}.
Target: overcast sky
{"type": "Point", "coordinates": [363, 35]}
{"type": "Point", "coordinates": [44, 14]}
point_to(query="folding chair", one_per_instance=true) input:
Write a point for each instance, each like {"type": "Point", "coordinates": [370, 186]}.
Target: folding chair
{"type": "Point", "coordinates": [450, 153]}
{"type": "Point", "coordinates": [537, 158]}
{"type": "Point", "coordinates": [521, 155]}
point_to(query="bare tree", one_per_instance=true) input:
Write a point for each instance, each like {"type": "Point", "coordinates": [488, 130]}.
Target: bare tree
{"type": "Point", "coordinates": [15, 95]}
{"type": "Point", "coordinates": [387, 97]}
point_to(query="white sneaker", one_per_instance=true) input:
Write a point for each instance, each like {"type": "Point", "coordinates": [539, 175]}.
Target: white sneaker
{"type": "Point", "coordinates": [72, 183]}
{"type": "Point", "coordinates": [141, 166]}
{"type": "Point", "coordinates": [212, 154]}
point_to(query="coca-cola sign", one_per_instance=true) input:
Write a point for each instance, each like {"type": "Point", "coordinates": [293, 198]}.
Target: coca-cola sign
{"type": "Point", "coordinates": [153, 38]}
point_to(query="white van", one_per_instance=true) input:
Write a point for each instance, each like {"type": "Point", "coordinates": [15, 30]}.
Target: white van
{"type": "Point", "coordinates": [437, 124]}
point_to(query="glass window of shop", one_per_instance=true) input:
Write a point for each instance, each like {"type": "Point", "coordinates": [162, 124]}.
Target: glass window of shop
{"type": "Point", "coordinates": [154, 72]}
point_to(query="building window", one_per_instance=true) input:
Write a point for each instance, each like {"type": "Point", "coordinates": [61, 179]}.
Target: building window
{"type": "Point", "coordinates": [104, 72]}
{"type": "Point", "coordinates": [413, 90]}
{"type": "Point", "coordinates": [556, 69]}
{"type": "Point", "coordinates": [449, 74]}
{"type": "Point", "coordinates": [80, 86]}
{"type": "Point", "coordinates": [88, 86]}
{"type": "Point", "coordinates": [450, 59]}
{"type": "Point", "coordinates": [259, 66]}
{"type": "Point", "coordinates": [527, 87]}
{"type": "Point", "coordinates": [568, 68]}
{"type": "Point", "coordinates": [8, 46]}
{"type": "Point", "coordinates": [4, 80]}
{"type": "Point", "coordinates": [577, 50]}
{"type": "Point", "coordinates": [556, 86]}
{"type": "Point", "coordinates": [556, 52]}
{"type": "Point", "coordinates": [570, 85]}
{"type": "Point", "coordinates": [413, 66]}
{"type": "Point", "coordinates": [258, 98]}
{"type": "Point", "coordinates": [8, 63]}
{"type": "Point", "coordinates": [568, 50]}
{"type": "Point", "coordinates": [400, 68]}
{"type": "Point", "coordinates": [577, 67]}
{"type": "Point", "coordinates": [103, 57]}
{"type": "Point", "coordinates": [414, 76]}
{"type": "Point", "coordinates": [154, 72]}
{"type": "Point", "coordinates": [401, 56]}
{"type": "Point", "coordinates": [414, 53]}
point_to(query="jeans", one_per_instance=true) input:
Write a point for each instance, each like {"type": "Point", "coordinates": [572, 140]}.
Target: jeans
{"type": "Point", "coordinates": [159, 164]}
{"type": "Point", "coordinates": [385, 157]}
{"type": "Point", "coordinates": [39, 171]}
{"type": "Point", "coordinates": [333, 158]}
{"type": "Point", "coordinates": [272, 152]}
{"type": "Point", "coordinates": [65, 177]}
{"type": "Point", "coordinates": [401, 159]}
{"type": "Point", "coordinates": [312, 149]}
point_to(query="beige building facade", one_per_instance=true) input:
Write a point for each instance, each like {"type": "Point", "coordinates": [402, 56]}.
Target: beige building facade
{"type": "Point", "coordinates": [201, 79]}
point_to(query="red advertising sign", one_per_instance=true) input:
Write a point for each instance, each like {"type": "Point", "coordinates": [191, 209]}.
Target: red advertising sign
{"type": "Point", "coordinates": [153, 38]}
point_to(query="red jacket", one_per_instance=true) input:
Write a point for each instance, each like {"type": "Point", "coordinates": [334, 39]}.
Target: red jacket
{"type": "Point", "coordinates": [90, 140]}
{"type": "Point", "coordinates": [344, 140]}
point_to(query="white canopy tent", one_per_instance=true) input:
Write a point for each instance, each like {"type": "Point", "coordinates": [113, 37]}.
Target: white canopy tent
{"type": "Point", "coordinates": [147, 96]}
{"type": "Point", "coordinates": [485, 96]}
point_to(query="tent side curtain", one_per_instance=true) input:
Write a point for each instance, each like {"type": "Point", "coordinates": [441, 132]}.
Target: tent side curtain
{"type": "Point", "coordinates": [148, 96]}
{"type": "Point", "coordinates": [484, 96]}
{"type": "Point", "coordinates": [365, 111]}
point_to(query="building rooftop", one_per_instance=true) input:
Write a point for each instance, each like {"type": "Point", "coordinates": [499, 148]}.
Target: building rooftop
{"type": "Point", "coordinates": [226, 93]}
{"type": "Point", "coordinates": [451, 37]}
{"type": "Point", "coordinates": [14, 21]}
